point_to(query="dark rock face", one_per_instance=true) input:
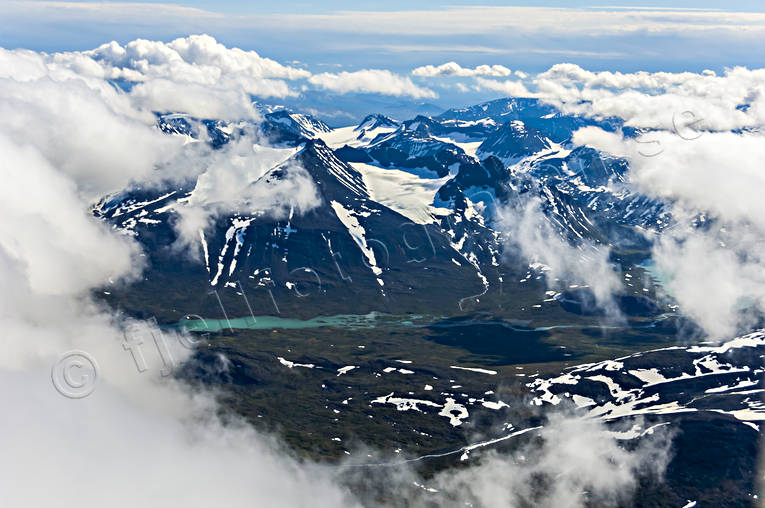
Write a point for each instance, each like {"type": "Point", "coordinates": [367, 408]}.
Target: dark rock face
{"type": "Point", "coordinates": [514, 140]}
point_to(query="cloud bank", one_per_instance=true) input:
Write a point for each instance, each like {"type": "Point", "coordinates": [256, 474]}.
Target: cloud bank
{"type": "Point", "coordinates": [245, 177]}
{"type": "Point", "coordinates": [454, 69]}
{"type": "Point", "coordinates": [371, 81]}
{"type": "Point", "coordinates": [725, 102]}
{"type": "Point", "coordinates": [528, 233]}
{"type": "Point", "coordinates": [198, 64]}
{"type": "Point", "coordinates": [577, 463]}
{"type": "Point", "coordinates": [195, 75]}
{"type": "Point", "coordinates": [38, 94]}
{"type": "Point", "coordinates": [712, 256]}
{"type": "Point", "coordinates": [511, 88]}
{"type": "Point", "coordinates": [141, 437]}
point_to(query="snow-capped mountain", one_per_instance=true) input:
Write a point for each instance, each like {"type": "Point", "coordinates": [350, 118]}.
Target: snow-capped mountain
{"type": "Point", "coordinates": [403, 207]}
{"type": "Point", "coordinates": [284, 121]}
{"type": "Point", "coordinates": [513, 141]}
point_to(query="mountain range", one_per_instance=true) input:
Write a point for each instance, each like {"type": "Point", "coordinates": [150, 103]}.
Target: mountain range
{"type": "Point", "coordinates": [407, 213]}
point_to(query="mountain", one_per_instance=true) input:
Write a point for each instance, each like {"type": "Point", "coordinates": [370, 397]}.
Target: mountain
{"type": "Point", "coordinates": [284, 121]}
{"type": "Point", "coordinates": [500, 111]}
{"type": "Point", "coordinates": [375, 121]}
{"type": "Point", "coordinates": [513, 141]}
{"type": "Point", "coordinates": [361, 255]}
{"type": "Point", "coordinates": [534, 113]}
{"type": "Point", "coordinates": [340, 110]}
{"type": "Point", "coordinates": [405, 208]}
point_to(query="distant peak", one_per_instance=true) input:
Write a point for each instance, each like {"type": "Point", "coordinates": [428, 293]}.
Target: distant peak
{"type": "Point", "coordinates": [375, 121]}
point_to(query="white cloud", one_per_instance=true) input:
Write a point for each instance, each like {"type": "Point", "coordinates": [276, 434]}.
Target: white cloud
{"type": "Point", "coordinates": [237, 179]}
{"type": "Point", "coordinates": [659, 100]}
{"type": "Point", "coordinates": [37, 217]}
{"type": "Point", "coordinates": [105, 451]}
{"type": "Point", "coordinates": [511, 88]}
{"type": "Point", "coordinates": [683, 102]}
{"type": "Point", "coordinates": [462, 87]}
{"type": "Point", "coordinates": [40, 95]}
{"type": "Point", "coordinates": [140, 436]}
{"type": "Point", "coordinates": [193, 59]}
{"type": "Point", "coordinates": [537, 35]}
{"type": "Point", "coordinates": [454, 69]}
{"type": "Point", "coordinates": [201, 101]}
{"type": "Point", "coordinates": [718, 270]}
{"type": "Point", "coordinates": [528, 233]}
{"type": "Point", "coordinates": [499, 49]}
{"type": "Point", "coordinates": [194, 74]}
{"type": "Point", "coordinates": [578, 463]}
{"type": "Point", "coordinates": [689, 159]}
{"type": "Point", "coordinates": [198, 76]}
{"type": "Point", "coordinates": [371, 81]}
{"type": "Point", "coordinates": [717, 277]}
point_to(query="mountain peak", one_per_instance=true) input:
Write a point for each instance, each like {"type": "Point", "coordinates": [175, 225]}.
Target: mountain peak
{"type": "Point", "coordinates": [332, 174]}
{"type": "Point", "coordinates": [375, 121]}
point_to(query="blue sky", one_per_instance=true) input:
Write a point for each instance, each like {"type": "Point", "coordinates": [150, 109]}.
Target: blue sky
{"type": "Point", "coordinates": [400, 35]}
{"type": "Point", "coordinates": [304, 6]}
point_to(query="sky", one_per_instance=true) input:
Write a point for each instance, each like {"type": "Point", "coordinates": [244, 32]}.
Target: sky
{"type": "Point", "coordinates": [304, 6]}
{"type": "Point", "coordinates": [401, 35]}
